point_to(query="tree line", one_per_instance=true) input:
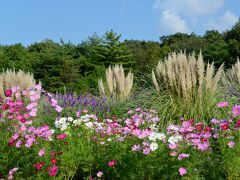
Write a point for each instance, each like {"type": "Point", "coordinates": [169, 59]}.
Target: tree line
{"type": "Point", "coordinates": [79, 66]}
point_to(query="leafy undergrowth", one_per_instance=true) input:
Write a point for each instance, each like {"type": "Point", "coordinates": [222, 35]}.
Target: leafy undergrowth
{"type": "Point", "coordinates": [42, 138]}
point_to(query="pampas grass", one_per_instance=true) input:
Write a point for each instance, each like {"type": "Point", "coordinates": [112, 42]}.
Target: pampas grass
{"type": "Point", "coordinates": [118, 86]}
{"type": "Point", "coordinates": [190, 85]}
{"type": "Point", "coordinates": [182, 75]}
{"type": "Point", "coordinates": [11, 78]}
{"type": "Point", "coordinates": [231, 80]}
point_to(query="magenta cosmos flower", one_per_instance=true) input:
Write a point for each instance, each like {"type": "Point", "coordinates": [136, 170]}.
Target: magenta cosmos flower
{"type": "Point", "coordinates": [112, 163]}
{"type": "Point", "coordinates": [52, 171]}
{"type": "Point", "coordinates": [8, 92]}
{"type": "Point", "coordinates": [62, 136]}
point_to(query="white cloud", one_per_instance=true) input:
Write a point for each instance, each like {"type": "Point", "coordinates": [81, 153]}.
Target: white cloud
{"type": "Point", "coordinates": [189, 7]}
{"type": "Point", "coordinates": [226, 21]}
{"type": "Point", "coordinates": [173, 23]}
{"type": "Point", "coordinates": [184, 15]}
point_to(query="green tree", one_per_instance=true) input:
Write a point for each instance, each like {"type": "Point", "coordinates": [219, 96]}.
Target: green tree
{"type": "Point", "coordinates": [146, 54]}
{"type": "Point", "coordinates": [111, 51]}
{"type": "Point", "coordinates": [216, 49]}
{"type": "Point", "coordinates": [232, 37]}
{"type": "Point", "coordinates": [183, 42]}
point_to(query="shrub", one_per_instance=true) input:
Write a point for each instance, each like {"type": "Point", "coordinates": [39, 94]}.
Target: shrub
{"type": "Point", "coordinates": [118, 86]}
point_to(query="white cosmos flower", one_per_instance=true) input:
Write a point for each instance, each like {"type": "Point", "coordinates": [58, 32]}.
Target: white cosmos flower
{"type": "Point", "coordinates": [174, 139]}
{"type": "Point", "coordinates": [77, 122]}
{"type": "Point", "coordinates": [153, 146]}
{"type": "Point", "coordinates": [160, 136]}
{"type": "Point", "coordinates": [63, 127]}
{"type": "Point", "coordinates": [109, 139]}
{"type": "Point", "coordinates": [62, 120]}
{"type": "Point", "coordinates": [70, 119]}
{"type": "Point", "coordinates": [89, 125]}
{"type": "Point", "coordinates": [152, 136]}
{"type": "Point", "coordinates": [52, 131]}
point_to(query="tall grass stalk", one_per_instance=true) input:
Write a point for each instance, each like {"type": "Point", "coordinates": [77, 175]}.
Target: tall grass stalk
{"type": "Point", "coordinates": [189, 85]}
{"type": "Point", "coordinates": [11, 78]}
{"type": "Point", "coordinates": [118, 86]}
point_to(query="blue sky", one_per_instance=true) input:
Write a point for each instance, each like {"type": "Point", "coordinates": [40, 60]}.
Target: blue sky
{"type": "Point", "coordinates": [29, 21]}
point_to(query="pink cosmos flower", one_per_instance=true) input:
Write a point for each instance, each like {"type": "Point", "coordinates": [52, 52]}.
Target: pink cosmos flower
{"type": "Point", "coordinates": [146, 150]}
{"type": "Point", "coordinates": [203, 146]}
{"type": "Point", "coordinates": [62, 136]}
{"type": "Point", "coordinates": [34, 97]}
{"type": "Point", "coordinates": [15, 89]}
{"type": "Point", "coordinates": [31, 105]}
{"type": "Point", "coordinates": [11, 172]}
{"type": "Point", "coordinates": [26, 116]}
{"type": "Point", "coordinates": [41, 152]}
{"type": "Point", "coordinates": [23, 128]}
{"type": "Point", "coordinates": [15, 136]}
{"type": "Point", "coordinates": [58, 109]}
{"type": "Point", "coordinates": [112, 163]}
{"type": "Point", "coordinates": [85, 111]}
{"type": "Point", "coordinates": [29, 142]}
{"type": "Point", "coordinates": [236, 110]}
{"type": "Point", "coordinates": [130, 111]}
{"type": "Point", "coordinates": [231, 144]}
{"type": "Point", "coordinates": [182, 171]}
{"type": "Point", "coordinates": [99, 174]}
{"type": "Point", "coordinates": [78, 113]}
{"type": "Point", "coordinates": [38, 87]}
{"type": "Point", "coordinates": [138, 109]}
{"type": "Point", "coordinates": [172, 146]}
{"type": "Point", "coordinates": [24, 92]}
{"type": "Point", "coordinates": [52, 171]}
{"type": "Point", "coordinates": [183, 156]}
{"type": "Point", "coordinates": [173, 153]}
{"type": "Point", "coordinates": [17, 94]}
{"type": "Point", "coordinates": [222, 104]}
{"type": "Point", "coordinates": [33, 112]}
{"type": "Point", "coordinates": [136, 147]}
{"type": "Point", "coordinates": [18, 143]}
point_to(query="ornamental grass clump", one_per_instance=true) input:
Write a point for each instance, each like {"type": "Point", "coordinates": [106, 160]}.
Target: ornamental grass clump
{"type": "Point", "coordinates": [118, 86]}
{"type": "Point", "coordinates": [11, 78]}
{"type": "Point", "coordinates": [231, 80]}
{"type": "Point", "coordinates": [188, 81]}
{"type": "Point", "coordinates": [182, 75]}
